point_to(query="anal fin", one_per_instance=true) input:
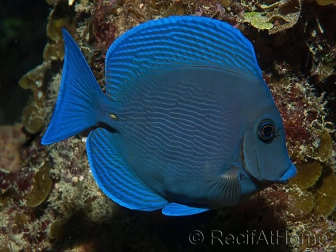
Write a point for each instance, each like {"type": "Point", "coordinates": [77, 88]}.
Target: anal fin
{"type": "Point", "coordinates": [175, 209]}
{"type": "Point", "coordinates": [114, 175]}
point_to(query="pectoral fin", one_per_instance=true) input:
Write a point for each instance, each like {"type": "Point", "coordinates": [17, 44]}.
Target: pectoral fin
{"type": "Point", "coordinates": [225, 190]}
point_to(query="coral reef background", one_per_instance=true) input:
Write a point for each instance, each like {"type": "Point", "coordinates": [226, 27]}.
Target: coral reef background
{"type": "Point", "coordinates": [48, 198]}
{"type": "Point", "coordinates": [22, 29]}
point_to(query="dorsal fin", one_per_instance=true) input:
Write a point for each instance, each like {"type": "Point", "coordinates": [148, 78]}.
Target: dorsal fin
{"type": "Point", "coordinates": [177, 41]}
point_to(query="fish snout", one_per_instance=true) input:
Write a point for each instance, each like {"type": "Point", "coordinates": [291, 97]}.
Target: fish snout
{"type": "Point", "coordinates": [289, 173]}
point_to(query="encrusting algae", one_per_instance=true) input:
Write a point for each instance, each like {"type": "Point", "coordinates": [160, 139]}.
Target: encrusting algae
{"type": "Point", "coordinates": [308, 174]}
{"type": "Point", "coordinates": [71, 213]}
{"type": "Point", "coordinates": [325, 193]}
{"type": "Point", "coordinates": [275, 17]}
{"type": "Point", "coordinates": [40, 188]}
{"type": "Point", "coordinates": [326, 2]}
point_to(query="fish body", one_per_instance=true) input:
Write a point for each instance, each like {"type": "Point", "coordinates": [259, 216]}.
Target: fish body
{"type": "Point", "coordinates": [187, 123]}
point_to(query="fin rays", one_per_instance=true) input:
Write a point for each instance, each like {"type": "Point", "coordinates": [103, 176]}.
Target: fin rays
{"type": "Point", "coordinates": [177, 40]}
{"type": "Point", "coordinates": [114, 175]}
{"type": "Point", "coordinates": [226, 189]}
{"type": "Point", "coordinates": [76, 108]}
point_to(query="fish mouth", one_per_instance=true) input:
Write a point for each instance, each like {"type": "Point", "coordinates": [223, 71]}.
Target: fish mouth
{"type": "Point", "coordinates": [290, 173]}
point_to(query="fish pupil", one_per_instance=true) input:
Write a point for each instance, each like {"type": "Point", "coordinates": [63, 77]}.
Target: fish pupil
{"type": "Point", "coordinates": [266, 130]}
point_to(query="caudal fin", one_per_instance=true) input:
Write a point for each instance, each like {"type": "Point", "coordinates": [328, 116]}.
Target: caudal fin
{"type": "Point", "coordinates": [79, 96]}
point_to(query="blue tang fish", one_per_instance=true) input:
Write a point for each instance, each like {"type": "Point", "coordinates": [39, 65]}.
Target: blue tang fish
{"type": "Point", "coordinates": [187, 123]}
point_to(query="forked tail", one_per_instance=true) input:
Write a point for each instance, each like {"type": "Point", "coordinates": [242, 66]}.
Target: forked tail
{"type": "Point", "coordinates": [79, 98]}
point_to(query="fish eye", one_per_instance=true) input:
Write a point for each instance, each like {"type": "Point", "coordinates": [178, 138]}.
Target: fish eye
{"type": "Point", "coordinates": [266, 130]}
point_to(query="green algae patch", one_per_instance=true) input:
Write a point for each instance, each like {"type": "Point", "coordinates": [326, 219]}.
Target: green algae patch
{"type": "Point", "coordinates": [275, 17]}
{"type": "Point", "coordinates": [316, 190]}
{"type": "Point", "coordinates": [61, 16]}
{"type": "Point", "coordinates": [5, 249]}
{"type": "Point", "coordinates": [324, 150]}
{"type": "Point", "coordinates": [33, 115]}
{"type": "Point", "coordinates": [57, 229]}
{"type": "Point", "coordinates": [325, 195]}
{"type": "Point", "coordinates": [258, 20]}
{"type": "Point", "coordinates": [308, 174]}
{"type": "Point", "coordinates": [326, 2]}
{"type": "Point", "coordinates": [33, 118]}
{"type": "Point", "coordinates": [34, 78]}
{"type": "Point", "coordinates": [301, 203]}
{"type": "Point", "coordinates": [41, 187]}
